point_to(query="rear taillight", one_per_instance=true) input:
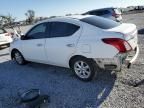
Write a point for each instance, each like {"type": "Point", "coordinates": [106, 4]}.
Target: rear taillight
{"type": "Point", "coordinates": [120, 44]}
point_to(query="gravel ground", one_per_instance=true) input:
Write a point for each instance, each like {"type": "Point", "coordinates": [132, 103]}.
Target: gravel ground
{"type": "Point", "coordinates": [110, 90]}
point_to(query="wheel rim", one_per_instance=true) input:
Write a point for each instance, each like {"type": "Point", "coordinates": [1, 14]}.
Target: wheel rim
{"type": "Point", "coordinates": [18, 57]}
{"type": "Point", "coordinates": [82, 69]}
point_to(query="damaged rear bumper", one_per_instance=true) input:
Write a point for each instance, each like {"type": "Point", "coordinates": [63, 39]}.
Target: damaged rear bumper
{"type": "Point", "coordinates": [131, 58]}
{"type": "Point", "coordinates": [117, 62]}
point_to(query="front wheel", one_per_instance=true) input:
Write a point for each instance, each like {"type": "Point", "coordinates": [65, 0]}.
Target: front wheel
{"type": "Point", "coordinates": [18, 58]}
{"type": "Point", "coordinates": [83, 68]}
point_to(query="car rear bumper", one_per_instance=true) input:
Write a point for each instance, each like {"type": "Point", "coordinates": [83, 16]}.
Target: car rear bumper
{"type": "Point", "coordinates": [131, 58]}
{"type": "Point", "coordinates": [116, 63]}
{"type": "Point", "coordinates": [110, 63]}
{"type": "Point", "coordinates": [4, 43]}
{"type": "Point", "coordinates": [8, 41]}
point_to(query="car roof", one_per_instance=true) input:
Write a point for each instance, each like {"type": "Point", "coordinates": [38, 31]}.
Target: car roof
{"type": "Point", "coordinates": [72, 17]}
{"type": "Point", "coordinates": [104, 8]}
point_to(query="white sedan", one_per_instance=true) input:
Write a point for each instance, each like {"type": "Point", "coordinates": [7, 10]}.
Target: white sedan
{"type": "Point", "coordinates": [5, 37]}
{"type": "Point", "coordinates": [82, 43]}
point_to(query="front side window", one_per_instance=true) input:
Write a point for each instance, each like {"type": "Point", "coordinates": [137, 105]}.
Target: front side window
{"type": "Point", "coordinates": [62, 29]}
{"type": "Point", "coordinates": [37, 32]}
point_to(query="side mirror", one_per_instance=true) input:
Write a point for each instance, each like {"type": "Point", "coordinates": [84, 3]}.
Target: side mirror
{"type": "Point", "coordinates": [22, 37]}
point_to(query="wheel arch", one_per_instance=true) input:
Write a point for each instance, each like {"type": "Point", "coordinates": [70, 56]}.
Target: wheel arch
{"type": "Point", "coordinates": [12, 52]}
{"type": "Point", "coordinates": [79, 56]}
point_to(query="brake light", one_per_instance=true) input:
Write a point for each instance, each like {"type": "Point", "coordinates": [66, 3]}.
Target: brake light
{"type": "Point", "coordinates": [120, 44]}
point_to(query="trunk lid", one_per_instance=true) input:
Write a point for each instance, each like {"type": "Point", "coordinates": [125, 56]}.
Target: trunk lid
{"type": "Point", "coordinates": [129, 32]}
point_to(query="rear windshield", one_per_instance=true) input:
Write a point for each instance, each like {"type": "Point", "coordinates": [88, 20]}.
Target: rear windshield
{"type": "Point", "coordinates": [100, 22]}
{"type": "Point", "coordinates": [2, 31]}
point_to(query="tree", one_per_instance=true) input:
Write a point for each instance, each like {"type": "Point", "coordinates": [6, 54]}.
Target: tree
{"type": "Point", "coordinates": [10, 19]}
{"type": "Point", "coordinates": [7, 20]}
{"type": "Point", "coordinates": [1, 20]}
{"type": "Point", "coordinates": [30, 14]}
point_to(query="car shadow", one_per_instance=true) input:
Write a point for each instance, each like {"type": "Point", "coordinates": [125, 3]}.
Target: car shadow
{"type": "Point", "coordinates": [64, 89]}
{"type": "Point", "coordinates": [141, 31]}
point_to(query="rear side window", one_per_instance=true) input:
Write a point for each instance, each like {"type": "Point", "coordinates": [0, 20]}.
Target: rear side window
{"type": "Point", "coordinates": [62, 29]}
{"type": "Point", "coordinates": [100, 22]}
{"type": "Point", "coordinates": [2, 31]}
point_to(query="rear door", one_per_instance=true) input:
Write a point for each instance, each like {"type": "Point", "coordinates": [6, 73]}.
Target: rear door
{"type": "Point", "coordinates": [62, 42]}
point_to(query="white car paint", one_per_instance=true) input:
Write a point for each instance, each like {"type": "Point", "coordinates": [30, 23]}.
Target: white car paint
{"type": "Point", "coordinates": [87, 42]}
{"type": "Point", "coordinates": [5, 38]}
{"type": "Point", "coordinates": [129, 32]}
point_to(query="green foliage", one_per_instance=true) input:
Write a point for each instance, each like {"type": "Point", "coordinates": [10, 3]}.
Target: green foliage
{"type": "Point", "coordinates": [30, 14]}
{"type": "Point", "coordinates": [6, 20]}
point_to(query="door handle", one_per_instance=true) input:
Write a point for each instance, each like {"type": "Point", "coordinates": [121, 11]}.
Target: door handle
{"type": "Point", "coordinates": [70, 45]}
{"type": "Point", "coordinates": [39, 45]}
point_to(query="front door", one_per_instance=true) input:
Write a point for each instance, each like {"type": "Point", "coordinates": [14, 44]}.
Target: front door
{"type": "Point", "coordinates": [34, 43]}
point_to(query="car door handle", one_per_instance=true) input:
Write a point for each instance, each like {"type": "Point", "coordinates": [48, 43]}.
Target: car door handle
{"type": "Point", "coordinates": [39, 45]}
{"type": "Point", "coordinates": [70, 45]}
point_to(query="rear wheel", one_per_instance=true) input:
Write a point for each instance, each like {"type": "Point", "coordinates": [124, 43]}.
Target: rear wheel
{"type": "Point", "coordinates": [18, 58]}
{"type": "Point", "coordinates": [84, 68]}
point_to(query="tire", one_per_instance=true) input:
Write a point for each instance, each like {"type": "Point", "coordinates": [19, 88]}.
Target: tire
{"type": "Point", "coordinates": [18, 57]}
{"type": "Point", "coordinates": [84, 69]}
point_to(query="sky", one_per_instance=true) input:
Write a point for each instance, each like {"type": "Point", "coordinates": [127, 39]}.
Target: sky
{"type": "Point", "coordinates": [18, 8]}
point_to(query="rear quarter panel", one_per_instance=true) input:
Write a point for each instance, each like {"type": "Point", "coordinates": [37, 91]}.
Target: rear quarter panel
{"type": "Point", "coordinates": [91, 45]}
